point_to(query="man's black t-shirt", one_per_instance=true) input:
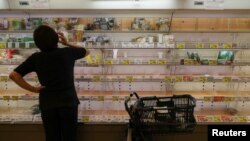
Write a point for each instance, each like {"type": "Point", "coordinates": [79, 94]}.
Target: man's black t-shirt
{"type": "Point", "coordinates": [55, 71]}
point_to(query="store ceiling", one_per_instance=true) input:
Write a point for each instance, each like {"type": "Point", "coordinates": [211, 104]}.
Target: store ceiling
{"type": "Point", "coordinates": [125, 4]}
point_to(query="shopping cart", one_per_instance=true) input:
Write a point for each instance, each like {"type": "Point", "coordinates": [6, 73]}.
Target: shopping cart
{"type": "Point", "coordinates": [160, 115]}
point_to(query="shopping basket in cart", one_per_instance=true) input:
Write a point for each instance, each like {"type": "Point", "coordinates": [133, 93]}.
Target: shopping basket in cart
{"type": "Point", "coordinates": [159, 115]}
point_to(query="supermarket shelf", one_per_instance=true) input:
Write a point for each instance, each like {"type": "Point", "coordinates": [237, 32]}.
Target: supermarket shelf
{"type": "Point", "coordinates": [162, 48]}
{"type": "Point", "coordinates": [134, 45]}
{"type": "Point", "coordinates": [160, 80]}
{"type": "Point", "coordinates": [120, 95]}
{"type": "Point", "coordinates": [124, 31]}
{"type": "Point", "coordinates": [142, 64]}
{"type": "Point", "coordinates": [150, 78]}
{"type": "Point", "coordinates": [137, 48]}
{"type": "Point", "coordinates": [16, 31]}
{"type": "Point", "coordinates": [133, 31]}
{"type": "Point", "coordinates": [197, 94]}
{"type": "Point", "coordinates": [205, 31]}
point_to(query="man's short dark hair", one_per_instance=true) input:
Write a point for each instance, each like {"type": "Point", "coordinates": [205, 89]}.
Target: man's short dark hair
{"type": "Point", "coordinates": [46, 39]}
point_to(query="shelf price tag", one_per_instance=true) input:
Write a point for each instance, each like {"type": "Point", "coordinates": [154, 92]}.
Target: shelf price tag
{"type": "Point", "coordinates": [225, 118]}
{"type": "Point", "coordinates": [188, 78]}
{"type": "Point", "coordinates": [188, 62]}
{"type": "Point", "coordinates": [240, 119]}
{"type": "Point", "coordinates": [7, 98]}
{"type": "Point", "coordinates": [227, 79]}
{"type": "Point", "coordinates": [2, 45]}
{"type": "Point", "coordinates": [152, 62]}
{"type": "Point", "coordinates": [178, 79]}
{"type": "Point", "coordinates": [199, 45]}
{"type": "Point", "coordinates": [227, 45]}
{"type": "Point", "coordinates": [125, 62]}
{"type": "Point", "coordinates": [129, 78]}
{"type": "Point", "coordinates": [115, 98]}
{"type": "Point", "coordinates": [212, 62]}
{"type": "Point", "coordinates": [162, 62]}
{"type": "Point", "coordinates": [207, 99]}
{"type": "Point", "coordinates": [214, 45]}
{"type": "Point", "coordinates": [107, 62]}
{"type": "Point", "coordinates": [203, 79]}
{"type": "Point", "coordinates": [201, 118]}
{"type": "Point", "coordinates": [85, 119]}
{"type": "Point", "coordinates": [228, 99]}
{"type": "Point", "coordinates": [14, 97]}
{"type": "Point", "coordinates": [218, 98]}
{"type": "Point", "coordinates": [3, 78]}
{"type": "Point", "coordinates": [96, 78]}
{"type": "Point", "coordinates": [216, 119]}
{"type": "Point", "coordinates": [180, 45]}
{"type": "Point", "coordinates": [100, 98]}
{"type": "Point", "coordinates": [168, 79]}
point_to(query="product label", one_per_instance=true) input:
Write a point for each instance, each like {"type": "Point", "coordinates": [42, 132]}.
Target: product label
{"type": "Point", "coordinates": [9, 44]}
{"type": "Point", "coordinates": [17, 44]}
{"type": "Point", "coordinates": [27, 45]}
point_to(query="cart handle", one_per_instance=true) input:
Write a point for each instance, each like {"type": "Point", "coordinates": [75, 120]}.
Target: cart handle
{"type": "Point", "coordinates": [134, 93]}
{"type": "Point", "coordinates": [127, 100]}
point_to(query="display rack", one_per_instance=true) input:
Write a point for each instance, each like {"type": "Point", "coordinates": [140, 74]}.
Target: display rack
{"type": "Point", "coordinates": [151, 68]}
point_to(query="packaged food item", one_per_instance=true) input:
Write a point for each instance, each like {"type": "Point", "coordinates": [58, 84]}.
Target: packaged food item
{"type": "Point", "coordinates": [225, 57]}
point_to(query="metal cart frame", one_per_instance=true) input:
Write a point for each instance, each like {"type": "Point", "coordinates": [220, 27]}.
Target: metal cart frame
{"type": "Point", "coordinates": [160, 115]}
